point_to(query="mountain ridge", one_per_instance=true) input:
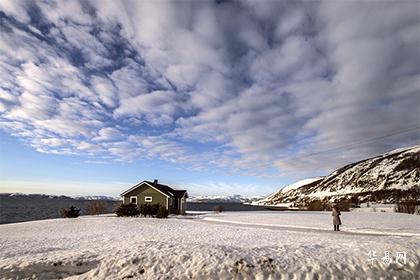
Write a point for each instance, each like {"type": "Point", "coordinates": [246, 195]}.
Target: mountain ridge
{"type": "Point", "coordinates": [388, 177]}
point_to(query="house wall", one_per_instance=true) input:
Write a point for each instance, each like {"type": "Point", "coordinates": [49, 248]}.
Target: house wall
{"type": "Point", "coordinates": [183, 205]}
{"type": "Point", "coordinates": [142, 192]}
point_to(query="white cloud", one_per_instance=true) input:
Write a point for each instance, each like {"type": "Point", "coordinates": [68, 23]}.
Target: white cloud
{"type": "Point", "coordinates": [266, 83]}
{"type": "Point", "coordinates": [15, 9]}
{"type": "Point", "coordinates": [105, 90]}
{"type": "Point", "coordinates": [157, 107]}
{"type": "Point", "coordinates": [108, 133]}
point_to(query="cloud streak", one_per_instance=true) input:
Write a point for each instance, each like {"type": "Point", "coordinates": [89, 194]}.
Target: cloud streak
{"type": "Point", "coordinates": [264, 87]}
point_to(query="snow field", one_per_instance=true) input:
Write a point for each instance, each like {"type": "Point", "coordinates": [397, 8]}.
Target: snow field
{"type": "Point", "coordinates": [353, 222]}
{"type": "Point", "coordinates": [144, 248]}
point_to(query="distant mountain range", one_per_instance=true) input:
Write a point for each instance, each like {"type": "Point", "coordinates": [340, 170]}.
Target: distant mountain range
{"type": "Point", "coordinates": [236, 198]}
{"type": "Point", "coordinates": [96, 197]}
{"type": "Point", "coordinates": [388, 178]}
{"type": "Point", "coordinates": [49, 196]}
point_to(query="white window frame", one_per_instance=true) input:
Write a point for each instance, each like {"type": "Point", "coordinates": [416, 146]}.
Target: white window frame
{"type": "Point", "coordinates": [131, 197]}
{"type": "Point", "coordinates": [148, 199]}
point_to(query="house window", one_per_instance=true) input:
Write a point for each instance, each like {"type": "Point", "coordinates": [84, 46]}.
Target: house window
{"type": "Point", "coordinates": [148, 199]}
{"type": "Point", "coordinates": [133, 199]}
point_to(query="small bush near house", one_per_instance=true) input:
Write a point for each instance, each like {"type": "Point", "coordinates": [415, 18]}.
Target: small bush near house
{"type": "Point", "coordinates": [96, 208]}
{"type": "Point", "coordinates": [409, 207]}
{"type": "Point", "coordinates": [154, 209]}
{"type": "Point", "coordinates": [70, 212]}
{"type": "Point", "coordinates": [218, 208]}
{"type": "Point", "coordinates": [149, 209]}
{"type": "Point", "coordinates": [143, 210]}
{"type": "Point", "coordinates": [127, 210]}
{"type": "Point", "coordinates": [162, 212]}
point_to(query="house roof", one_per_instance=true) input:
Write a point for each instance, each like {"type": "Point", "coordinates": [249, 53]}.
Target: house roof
{"type": "Point", "coordinates": [181, 193]}
{"type": "Point", "coordinates": [164, 189]}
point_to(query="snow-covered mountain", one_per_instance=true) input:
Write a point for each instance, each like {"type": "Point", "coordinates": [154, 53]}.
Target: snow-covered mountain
{"type": "Point", "coordinates": [51, 196]}
{"type": "Point", "coordinates": [388, 177]}
{"type": "Point", "coordinates": [33, 195]}
{"type": "Point", "coordinates": [236, 198]}
{"type": "Point", "coordinates": [96, 197]}
{"type": "Point", "coordinates": [276, 197]}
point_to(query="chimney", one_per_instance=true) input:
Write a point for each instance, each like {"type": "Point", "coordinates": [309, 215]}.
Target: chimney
{"type": "Point", "coordinates": [155, 182]}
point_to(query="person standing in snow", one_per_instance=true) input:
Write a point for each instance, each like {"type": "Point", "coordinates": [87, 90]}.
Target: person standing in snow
{"type": "Point", "coordinates": [336, 218]}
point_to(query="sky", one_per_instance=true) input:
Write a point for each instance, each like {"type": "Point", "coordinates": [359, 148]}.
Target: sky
{"type": "Point", "coordinates": [216, 97]}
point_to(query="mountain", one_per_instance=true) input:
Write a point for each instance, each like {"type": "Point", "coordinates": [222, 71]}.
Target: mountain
{"type": "Point", "coordinates": [96, 197]}
{"type": "Point", "coordinates": [279, 198]}
{"type": "Point", "coordinates": [35, 196]}
{"type": "Point", "coordinates": [236, 198]}
{"type": "Point", "coordinates": [51, 196]}
{"type": "Point", "coordinates": [387, 178]}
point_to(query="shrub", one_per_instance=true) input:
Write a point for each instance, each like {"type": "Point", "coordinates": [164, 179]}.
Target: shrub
{"type": "Point", "coordinates": [154, 208]}
{"type": "Point", "coordinates": [218, 208]}
{"type": "Point", "coordinates": [127, 210]}
{"type": "Point", "coordinates": [162, 212]}
{"type": "Point", "coordinates": [408, 163]}
{"type": "Point", "coordinates": [344, 205]}
{"type": "Point", "coordinates": [142, 209]}
{"type": "Point", "coordinates": [149, 209]}
{"type": "Point", "coordinates": [355, 201]}
{"type": "Point", "coordinates": [317, 205]}
{"type": "Point", "coordinates": [70, 212]}
{"type": "Point", "coordinates": [96, 208]}
{"type": "Point", "coordinates": [145, 209]}
{"type": "Point", "coordinates": [408, 206]}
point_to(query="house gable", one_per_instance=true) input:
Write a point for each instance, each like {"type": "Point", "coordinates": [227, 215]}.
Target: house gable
{"type": "Point", "coordinates": [140, 185]}
{"type": "Point", "coordinates": [145, 194]}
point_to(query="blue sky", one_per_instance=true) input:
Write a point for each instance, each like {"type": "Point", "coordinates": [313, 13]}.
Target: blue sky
{"type": "Point", "coordinates": [75, 175]}
{"type": "Point", "coordinates": [218, 97]}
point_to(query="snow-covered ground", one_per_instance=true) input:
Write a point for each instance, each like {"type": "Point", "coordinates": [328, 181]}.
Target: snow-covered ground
{"type": "Point", "coordinates": [353, 222]}
{"type": "Point", "coordinates": [256, 245]}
